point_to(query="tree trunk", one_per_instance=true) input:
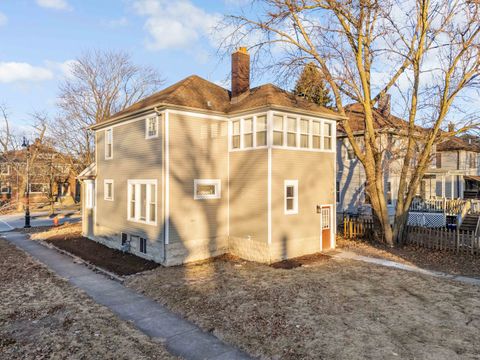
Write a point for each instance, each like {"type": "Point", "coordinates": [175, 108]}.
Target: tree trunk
{"type": "Point", "coordinates": [399, 227]}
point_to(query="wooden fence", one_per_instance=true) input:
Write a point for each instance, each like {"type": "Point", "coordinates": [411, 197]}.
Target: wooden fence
{"type": "Point", "coordinates": [462, 242]}
{"type": "Point", "coordinates": [444, 239]}
{"type": "Point", "coordinates": [354, 228]}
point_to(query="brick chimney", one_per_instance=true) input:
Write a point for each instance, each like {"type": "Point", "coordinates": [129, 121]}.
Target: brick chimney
{"type": "Point", "coordinates": [384, 104]}
{"type": "Point", "coordinates": [240, 72]}
{"type": "Point", "coordinates": [451, 127]}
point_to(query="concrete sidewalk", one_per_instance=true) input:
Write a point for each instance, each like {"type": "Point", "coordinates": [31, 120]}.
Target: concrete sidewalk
{"type": "Point", "coordinates": [388, 263]}
{"type": "Point", "coordinates": [180, 337]}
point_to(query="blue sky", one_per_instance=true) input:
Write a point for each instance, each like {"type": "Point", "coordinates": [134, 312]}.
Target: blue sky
{"type": "Point", "coordinates": [39, 37]}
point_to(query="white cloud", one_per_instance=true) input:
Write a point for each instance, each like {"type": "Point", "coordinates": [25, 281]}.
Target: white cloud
{"type": "Point", "coordinates": [116, 23]}
{"type": "Point", "coordinates": [21, 71]}
{"type": "Point", "coordinates": [54, 4]}
{"type": "Point", "coordinates": [3, 19]}
{"type": "Point", "coordinates": [174, 24]}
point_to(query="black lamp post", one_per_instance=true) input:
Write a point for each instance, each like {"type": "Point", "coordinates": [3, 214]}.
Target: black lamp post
{"type": "Point", "coordinates": [26, 145]}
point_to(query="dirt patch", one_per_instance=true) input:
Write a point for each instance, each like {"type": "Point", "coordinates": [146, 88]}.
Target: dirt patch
{"type": "Point", "coordinates": [44, 317]}
{"type": "Point", "coordinates": [328, 310]}
{"type": "Point", "coordinates": [69, 238]}
{"type": "Point", "coordinates": [306, 260]}
{"type": "Point", "coordinates": [444, 261]}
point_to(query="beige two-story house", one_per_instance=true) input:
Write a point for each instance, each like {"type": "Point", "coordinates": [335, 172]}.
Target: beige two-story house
{"type": "Point", "coordinates": [196, 170]}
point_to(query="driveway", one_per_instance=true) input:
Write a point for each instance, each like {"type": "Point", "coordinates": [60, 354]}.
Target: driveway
{"type": "Point", "coordinates": [15, 221]}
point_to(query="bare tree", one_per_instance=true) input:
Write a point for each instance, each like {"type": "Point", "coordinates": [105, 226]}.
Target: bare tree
{"type": "Point", "coordinates": [5, 131]}
{"type": "Point", "coordinates": [100, 84]}
{"type": "Point", "coordinates": [429, 49]}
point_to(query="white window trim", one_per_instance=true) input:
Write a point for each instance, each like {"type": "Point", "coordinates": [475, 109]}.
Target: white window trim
{"type": "Point", "coordinates": [7, 187]}
{"type": "Point", "coordinates": [111, 154]}
{"type": "Point", "coordinates": [293, 183]}
{"type": "Point", "coordinates": [147, 136]}
{"type": "Point", "coordinates": [8, 170]}
{"type": "Point", "coordinates": [284, 116]}
{"type": "Point", "coordinates": [218, 189]}
{"type": "Point", "coordinates": [254, 132]}
{"type": "Point", "coordinates": [37, 192]}
{"type": "Point", "coordinates": [105, 197]}
{"type": "Point", "coordinates": [137, 200]}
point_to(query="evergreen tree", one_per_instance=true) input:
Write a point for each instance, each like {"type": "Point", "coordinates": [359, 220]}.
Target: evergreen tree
{"type": "Point", "coordinates": [311, 86]}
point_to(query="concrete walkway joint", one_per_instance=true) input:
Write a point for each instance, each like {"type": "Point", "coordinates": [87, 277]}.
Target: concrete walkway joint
{"type": "Point", "coordinates": [180, 337]}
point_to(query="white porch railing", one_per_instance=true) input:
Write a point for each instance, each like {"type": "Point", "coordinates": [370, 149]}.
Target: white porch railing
{"type": "Point", "coordinates": [446, 206]}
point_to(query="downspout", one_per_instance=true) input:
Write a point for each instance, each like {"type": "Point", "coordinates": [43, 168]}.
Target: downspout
{"type": "Point", "coordinates": [163, 185]}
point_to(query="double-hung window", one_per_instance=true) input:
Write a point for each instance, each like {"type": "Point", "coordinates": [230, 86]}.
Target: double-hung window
{"type": "Point", "coordinates": [291, 132]}
{"type": "Point", "coordinates": [109, 143]}
{"type": "Point", "coordinates": [5, 188]}
{"type": "Point", "coordinates": [142, 201]}
{"type": "Point", "coordinates": [4, 169]}
{"type": "Point", "coordinates": [151, 127]}
{"type": "Point", "coordinates": [108, 190]}
{"type": "Point", "coordinates": [248, 133]}
{"type": "Point", "coordinates": [261, 129]}
{"type": "Point", "coordinates": [316, 136]}
{"type": "Point", "coordinates": [236, 134]}
{"type": "Point", "coordinates": [291, 197]}
{"type": "Point", "coordinates": [278, 130]}
{"type": "Point", "coordinates": [304, 133]}
{"type": "Point", "coordinates": [327, 136]}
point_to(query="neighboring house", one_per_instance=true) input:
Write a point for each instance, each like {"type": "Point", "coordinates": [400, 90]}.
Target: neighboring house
{"type": "Point", "coordinates": [50, 177]}
{"type": "Point", "coordinates": [195, 171]}
{"type": "Point", "coordinates": [351, 179]}
{"type": "Point", "coordinates": [456, 173]}
{"type": "Point", "coordinates": [452, 173]}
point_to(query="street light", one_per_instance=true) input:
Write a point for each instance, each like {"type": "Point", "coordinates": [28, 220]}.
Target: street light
{"type": "Point", "coordinates": [26, 146]}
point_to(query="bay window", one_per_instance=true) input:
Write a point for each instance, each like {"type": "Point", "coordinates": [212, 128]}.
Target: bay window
{"type": "Point", "coordinates": [248, 133]}
{"type": "Point", "coordinates": [261, 130]}
{"type": "Point", "coordinates": [236, 134]}
{"type": "Point", "coordinates": [327, 136]}
{"type": "Point", "coordinates": [142, 201]}
{"type": "Point", "coordinates": [316, 134]}
{"type": "Point", "coordinates": [278, 130]}
{"type": "Point", "coordinates": [291, 132]}
{"type": "Point", "coordinates": [304, 132]}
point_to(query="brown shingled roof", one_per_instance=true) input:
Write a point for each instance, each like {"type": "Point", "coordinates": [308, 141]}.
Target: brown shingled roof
{"type": "Point", "coordinates": [356, 120]}
{"type": "Point", "coordinates": [456, 143]}
{"type": "Point", "coordinates": [196, 92]}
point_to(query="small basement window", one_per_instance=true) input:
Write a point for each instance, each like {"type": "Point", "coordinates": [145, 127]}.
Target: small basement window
{"type": "Point", "coordinates": [206, 189]}
{"type": "Point", "coordinates": [124, 238]}
{"type": "Point", "coordinates": [143, 245]}
{"type": "Point", "coordinates": [291, 197]}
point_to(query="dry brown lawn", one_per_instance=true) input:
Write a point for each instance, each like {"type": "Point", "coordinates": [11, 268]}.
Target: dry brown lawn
{"type": "Point", "coordinates": [44, 317]}
{"type": "Point", "coordinates": [327, 310]}
{"type": "Point", "coordinates": [445, 261]}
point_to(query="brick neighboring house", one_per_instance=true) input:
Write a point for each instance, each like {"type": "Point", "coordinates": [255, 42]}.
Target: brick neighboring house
{"type": "Point", "coordinates": [196, 170]}
{"type": "Point", "coordinates": [50, 177]}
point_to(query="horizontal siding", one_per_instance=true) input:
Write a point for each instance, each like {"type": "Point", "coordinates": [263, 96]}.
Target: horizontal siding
{"type": "Point", "coordinates": [198, 150]}
{"type": "Point", "coordinates": [134, 157]}
{"type": "Point", "coordinates": [299, 234]}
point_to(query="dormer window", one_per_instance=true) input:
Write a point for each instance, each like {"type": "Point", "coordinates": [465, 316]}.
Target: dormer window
{"type": "Point", "coordinates": [151, 127]}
